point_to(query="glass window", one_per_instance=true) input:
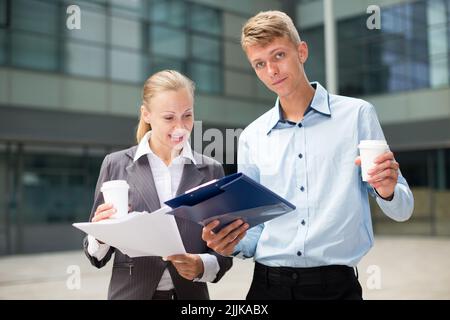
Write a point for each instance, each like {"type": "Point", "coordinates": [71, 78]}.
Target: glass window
{"type": "Point", "coordinates": [350, 82]}
{"type": "Point", "coordinates": [447, 162]}
{"type": "Point", "coordinates": [439, 71]}
{"type": "Point", "coordinates": [127, 66]}
{"type": "Point", "coordinates": [207, 78]}
{"type": "Point", "coordinates": [418, 50]}
{"type": "Point", "coordinates": [436, 12]}
{"type": "Point", "coordinates": [2, 12]}
{"type": "Point", "coordinates": [376, 80]}
{"type": "Point", "coordinates": [85, 60]}
{"type": "Point", "coordinates": [169, 12]}
{"type": "Point", "coordinates": [420, 74]}
{"type": "Point", "coordinates": [125, 33]}
{"type": "Point", "coordinates": [315, 65]}
{"type": "Point", "coordinates": [395, 58]}
{"type": "Point", "coordinates": [131, 8]}
{"type": "Point", "coordinates": [204, 19]}
{"type": "Point", "coordinates": [56, 187]}
{"type": "Point", "coordinates": [414, 167]}
{"type": "Point", "coordinates": [206, 48]}
{"type": "Point", "coordinates": [2, 46]}
{"type": "Point", "coordinates": [93, 26]}
{"type": "Point", "coordinates": [354, 55]}
{"type": "Point", "coordinates": [353, 28]}
{"type": "Point", "coordinates": [34, 16]}
{"type": "Point", "coordinates": [437, 40]}
{"type": "Point", "coordinates": [34, 52]}
{"type": "Point", "coordinates": [168, 42]}
{"type": "Point", "coordinates": [419, 11]}
{"type": "Point", "coordinates": [160, 63]}
{"type": "Point", "coordinates": [398, 78]}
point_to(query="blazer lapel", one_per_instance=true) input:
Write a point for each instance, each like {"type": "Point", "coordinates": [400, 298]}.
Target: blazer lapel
{"type": "Point", "coordinates": [140, 174]}
{"type": "Point", "coordinates": [190, 178]}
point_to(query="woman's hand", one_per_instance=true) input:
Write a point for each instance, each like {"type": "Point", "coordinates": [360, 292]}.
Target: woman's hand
{"type": "Point", "coordinates": [189, 266]}
{"type": "Point", "coordinates": [104, 211]}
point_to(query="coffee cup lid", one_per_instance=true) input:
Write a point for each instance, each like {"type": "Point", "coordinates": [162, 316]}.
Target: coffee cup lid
{"type": "Point", "coordinates": [114, 184]}
{"type": "Point", "coordinates": [372, 143]}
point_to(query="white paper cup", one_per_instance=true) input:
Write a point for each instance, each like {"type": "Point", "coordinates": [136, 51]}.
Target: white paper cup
{"type": "Point", "coordinates": [369, 150]}
{"type": "Point", "coordinates": [116, 193]}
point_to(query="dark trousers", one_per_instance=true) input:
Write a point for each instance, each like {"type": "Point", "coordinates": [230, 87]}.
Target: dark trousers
{"type": "Point", "coordinates": [319, 283]}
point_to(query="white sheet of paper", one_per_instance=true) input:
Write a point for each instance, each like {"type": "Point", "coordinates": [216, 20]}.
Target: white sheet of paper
{"type": "Point", "coordinates": [139, 234]}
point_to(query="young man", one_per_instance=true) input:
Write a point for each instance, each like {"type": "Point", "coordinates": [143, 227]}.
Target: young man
{"type": "Point", "coordinates": [305, 150]}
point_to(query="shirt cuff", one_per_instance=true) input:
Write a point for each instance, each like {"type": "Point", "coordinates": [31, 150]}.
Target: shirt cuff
{"type": "Point", "coordinates": [388, 202]}
{"type": "Point", "coordinates": [96, 249]}
{"type": "Point", "coordinates": [210, 268]}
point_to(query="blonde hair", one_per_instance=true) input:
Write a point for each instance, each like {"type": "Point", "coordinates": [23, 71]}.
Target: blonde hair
{"type": "Point", "coordinates": [161, 81]}
{"type": "Point", "coordinates": [266, 26]}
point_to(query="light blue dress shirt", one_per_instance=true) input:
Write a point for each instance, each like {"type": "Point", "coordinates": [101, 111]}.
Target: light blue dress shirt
{"type": "Point", "coordinates": [311, 164]}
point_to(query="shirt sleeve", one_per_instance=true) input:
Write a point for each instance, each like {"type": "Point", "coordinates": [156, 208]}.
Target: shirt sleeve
{"type": "Point", "coordinates": [210, 268]}
{"type": "Point", "coordinates": [401, 207]}
{"type": "Point", "coordinates": [247, 246]}
{"type": "Point", "coordinates": [96, 249]}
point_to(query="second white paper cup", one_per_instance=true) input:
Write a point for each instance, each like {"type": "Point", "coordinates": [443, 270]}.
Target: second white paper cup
{"type": "Point", "coordinates": [369, 150]}
{"type": "Point", "coordinates": [116, 193]}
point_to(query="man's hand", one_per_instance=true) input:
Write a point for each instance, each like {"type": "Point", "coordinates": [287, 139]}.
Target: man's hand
{"type": "Point", "coordinates": [384, 175]}
{"type": "Point", "coordinates": [189, 266]}
{"type": "Point", "coordinates": [226, 239]}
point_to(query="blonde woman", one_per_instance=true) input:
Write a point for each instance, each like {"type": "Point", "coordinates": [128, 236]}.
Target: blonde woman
{"type": "Point", "coordinates": [160, 167]}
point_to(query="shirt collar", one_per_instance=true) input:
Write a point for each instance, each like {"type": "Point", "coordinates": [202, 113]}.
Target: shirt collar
{"type": "Point", "coordinates": [144, 149]}
{"type": "Point", "coordinates": [319, 103]}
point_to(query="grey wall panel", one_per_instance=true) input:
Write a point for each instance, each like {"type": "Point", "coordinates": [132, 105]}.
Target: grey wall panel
{"type": "Point", "coordinates": [427, 134]}
{"type": "Point", "coordinates": [23, 124]}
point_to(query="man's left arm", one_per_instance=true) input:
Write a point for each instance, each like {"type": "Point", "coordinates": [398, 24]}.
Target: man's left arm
{"type": "Point", "coordinates": [392, 192]}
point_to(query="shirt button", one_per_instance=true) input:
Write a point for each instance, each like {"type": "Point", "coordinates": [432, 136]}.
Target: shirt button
{"type": "Point", "coordinates": [300, 125]}
{"type": "Point", "coordinates": [294, 276]}
{"type": "Point", "coordinates": [302, 188]}
{"type": "Point", "coordinates": [303, 222]}
{"type": "Point", "coordinates": [299, 253]}
{"type": "Point", "coordinates": [300, 155]}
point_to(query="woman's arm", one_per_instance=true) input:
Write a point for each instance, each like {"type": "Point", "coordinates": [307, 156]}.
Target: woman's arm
{"type": "Point", "coordinates": [98, 200]}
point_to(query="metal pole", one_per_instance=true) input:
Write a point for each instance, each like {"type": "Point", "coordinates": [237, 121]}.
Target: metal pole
{"type": "Point", "coordinates": [330, 47]}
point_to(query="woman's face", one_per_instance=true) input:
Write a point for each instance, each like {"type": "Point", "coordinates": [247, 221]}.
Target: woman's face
{"type": "Point", "coordinates": [171, 116]}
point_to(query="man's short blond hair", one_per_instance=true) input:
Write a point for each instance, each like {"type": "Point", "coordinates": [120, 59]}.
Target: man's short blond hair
{"type": "Point", "coordinates": [266, 26]}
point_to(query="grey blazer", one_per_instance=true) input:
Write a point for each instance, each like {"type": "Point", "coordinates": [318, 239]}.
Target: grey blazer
{"type": "Point", "coordinates": [137, 278]}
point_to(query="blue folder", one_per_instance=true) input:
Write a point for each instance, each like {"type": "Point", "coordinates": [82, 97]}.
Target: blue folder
{"type": "Point", "coordinates": [235, 196]}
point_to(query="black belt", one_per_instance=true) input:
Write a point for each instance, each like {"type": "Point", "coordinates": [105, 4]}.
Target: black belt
{"type": "Point", "coordinates": [164, 295]}
{"type": "Point", "coordinates": [287, 276]}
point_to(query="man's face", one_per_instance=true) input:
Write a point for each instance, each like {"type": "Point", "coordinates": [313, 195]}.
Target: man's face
{"type": "Point", "coordinates": [279, 65]}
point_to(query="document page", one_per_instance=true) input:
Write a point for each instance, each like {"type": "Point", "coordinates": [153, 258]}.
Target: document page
{"type": "Point", "coordinates": [139, 233]}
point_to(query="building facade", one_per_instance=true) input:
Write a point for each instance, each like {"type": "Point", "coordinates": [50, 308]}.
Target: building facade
{"type": "Point", "coordinates": [69, 96]}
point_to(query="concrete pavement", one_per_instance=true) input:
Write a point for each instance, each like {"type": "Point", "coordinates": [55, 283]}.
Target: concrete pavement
{"type": "Point", "coordinates": [396, 268]}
